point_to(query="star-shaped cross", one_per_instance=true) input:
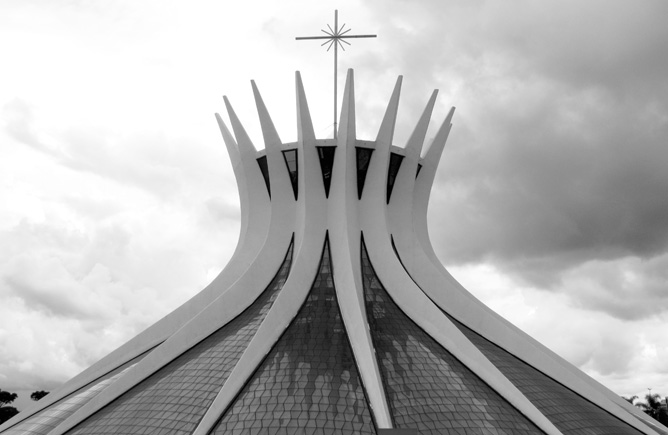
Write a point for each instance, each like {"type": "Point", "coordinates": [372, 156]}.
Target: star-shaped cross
{"type": "Point", "coordinates": [335, 37]}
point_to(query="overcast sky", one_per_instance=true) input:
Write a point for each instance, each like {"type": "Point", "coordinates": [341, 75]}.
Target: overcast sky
{"type": "Point", "coordinates": [118, 203]}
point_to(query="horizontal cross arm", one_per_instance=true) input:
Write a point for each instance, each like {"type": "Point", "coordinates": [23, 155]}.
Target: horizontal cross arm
{"type": "Point", "coordinates": [359, 36]}
{"type": "Point", "coordinates": [334, 37]}
{"type": "Point", "coordinates": [313, 37]}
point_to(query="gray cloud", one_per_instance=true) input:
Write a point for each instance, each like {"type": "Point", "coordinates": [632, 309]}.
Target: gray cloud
{"type": "Point", "coordinates": [628, 289]}
{"type": "Point", "coordinates": [555, 168]}
{"type": "Point", "coordinates": [536, 186]}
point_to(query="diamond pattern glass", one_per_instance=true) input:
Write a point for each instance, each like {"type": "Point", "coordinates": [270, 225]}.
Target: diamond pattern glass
{"type": "Point", "coordinates": [309, 383]}
{"type": "Point", "coordinates": [47, 419]}
{"type": "Point", "coordinates": [174, 399]}
{"type": "Point", "coordinates": [568, 411]}
{"type": "Point", "coordinates": [428, 388]}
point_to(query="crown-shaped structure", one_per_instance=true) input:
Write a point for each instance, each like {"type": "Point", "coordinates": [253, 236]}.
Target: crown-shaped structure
{"type": "Point", "coordinates": [333, 316]}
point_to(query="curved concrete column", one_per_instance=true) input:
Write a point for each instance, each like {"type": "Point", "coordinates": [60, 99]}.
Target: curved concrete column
{"type": "Point", "coordinates": [345, 248]}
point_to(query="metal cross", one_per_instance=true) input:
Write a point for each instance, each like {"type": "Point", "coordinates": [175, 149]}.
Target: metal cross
{"type": "Point", "coordinates": [336, 37]}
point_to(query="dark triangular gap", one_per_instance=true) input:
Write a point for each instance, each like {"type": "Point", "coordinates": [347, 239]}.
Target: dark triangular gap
{"type": "Point", "coordinates": [292, 164]}
{"type": "Point", "coordinates": [262, 162]}
{"type": "Point", "coordinates": [427, 387]}
{"type": "Point", "coordinates": [175, 398]}
{"type": "Point", "coordinates": [363, 156]}
{"type": "Point", "coordinates": [45, 420]}
{"type": "Point", "coordinates": [419, 168]}
{"type": "Point", "coordinates": [392, 171]}
{"type": "Point", "coordinates": [571, 413]}
{"type": "Point", "coordinates": [326, 156]}
{"type": "Point", "coordinates": [309, 378]}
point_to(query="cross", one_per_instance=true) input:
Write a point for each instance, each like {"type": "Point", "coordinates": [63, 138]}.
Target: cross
{"type": "Point", "coordinates": [336, 37]}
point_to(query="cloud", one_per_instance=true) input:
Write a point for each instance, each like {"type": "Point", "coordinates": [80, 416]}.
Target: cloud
{"type": "Point", "coordinates": [558, 144]}
{"type": "Point", "coordinates": [628, 288]}
{"type": "Point", "coordinates": [625, 354]}
{"type": "Point", "coordinates": [93, 281]}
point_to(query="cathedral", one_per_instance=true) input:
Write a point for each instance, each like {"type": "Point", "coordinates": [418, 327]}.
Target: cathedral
{"type": "Point", "coordinates": [333, 316]}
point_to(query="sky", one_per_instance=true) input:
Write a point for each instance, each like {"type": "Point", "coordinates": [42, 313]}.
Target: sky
{"type": "Point", "coordinates": [118, 202]}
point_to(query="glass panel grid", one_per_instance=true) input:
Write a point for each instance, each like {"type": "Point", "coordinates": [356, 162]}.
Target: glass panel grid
{"type": "Point", "coordinates": [309, 383]}
{"type": "Point", "coordinates": [568, 411]}
{"type": "Point", "coordinates": [429, 389]}
{"type": "Point", "coordinates": [175, 398]}
{"type": "Point", "coordinates": [49, 418]}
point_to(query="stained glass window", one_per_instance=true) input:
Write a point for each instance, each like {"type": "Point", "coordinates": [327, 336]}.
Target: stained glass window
{"type": "Point", "coordinates": [309, 383]}
{"type": "Point", "coordinates": [428, 388]}
{"type": "Point", "coordinates": [568, 411]}
{"type": "Point", "coordinates": [174, 399]}
{"type": "Point", "coordinates": [50, 417]}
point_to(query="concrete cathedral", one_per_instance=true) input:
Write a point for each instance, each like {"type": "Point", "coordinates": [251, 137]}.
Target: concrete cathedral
{"type": "Point", "coordinates": [333, 316]}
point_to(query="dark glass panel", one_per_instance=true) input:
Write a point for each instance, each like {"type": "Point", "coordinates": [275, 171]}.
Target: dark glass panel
{"type": "Point", "coordinates": [174, 399]}
{"type": "Point", "coordinates": [429, 389]}
{"type": "Point", "coordinates": [290, 157]}
{"type": "Point", "coordinates": [419, 168]}
{"type": "Point", "coordinates": [392, 171]}
{"type": "Point", "coordinates": [567, 410]}
{"type": "Point", "coordinates": [363, 158]}
{"type": "Point", "coordinates": [326, 156]}
{"type": "Point", "coordinates": [309, 382]}
{"type": "Point", "coordinates": [262, 162]}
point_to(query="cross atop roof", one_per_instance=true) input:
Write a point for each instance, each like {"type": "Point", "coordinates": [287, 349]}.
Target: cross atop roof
{"type": "Point", "coordinates": [335, 37]}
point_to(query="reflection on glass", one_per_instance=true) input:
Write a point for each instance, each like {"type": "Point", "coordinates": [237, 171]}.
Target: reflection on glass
{"type": "Point", "coordinates": [49, 418]}
{"type": "Point", "coordinates": [568, 411]}
{"type": "Point", "coordinates": [429, 389]}
{"type": "Point", "coordinates": [308, 384]}
{"type": "Point", "coordinates": [174, 399]}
